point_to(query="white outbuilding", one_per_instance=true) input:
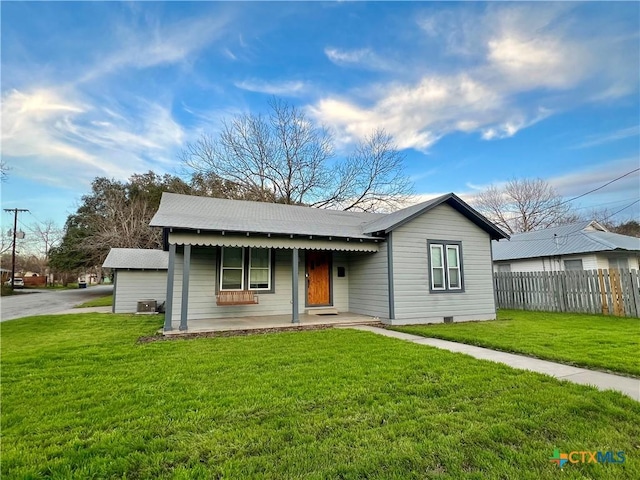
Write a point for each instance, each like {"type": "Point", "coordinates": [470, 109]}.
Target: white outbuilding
{"type": "Point", "coordinates": [139, 278]}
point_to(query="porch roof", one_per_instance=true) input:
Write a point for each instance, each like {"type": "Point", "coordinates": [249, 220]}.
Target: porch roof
{"type": "Point", "coordinates": [264, 241]}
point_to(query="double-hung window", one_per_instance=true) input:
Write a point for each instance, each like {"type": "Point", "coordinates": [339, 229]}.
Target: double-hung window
{"type": "Point", "coordinates": [260, 269]}
{"type": "Point", "coordinates": [232, 268]}
{"type": "Point", "coordinates": [244, 268]}
{"type": "Point", "coordinates": [445, 265]}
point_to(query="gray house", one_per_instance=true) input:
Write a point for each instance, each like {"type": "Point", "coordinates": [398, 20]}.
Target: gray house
{"type": "Point", "coordinates": [578, 246]}
{"type": "Point", "coordinates": [227, 258]}
{"type": "Point", "coordinates": [138, 275]}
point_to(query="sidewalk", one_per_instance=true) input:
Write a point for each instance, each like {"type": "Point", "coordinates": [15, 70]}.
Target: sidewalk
{"type": "Point", "coordinates": [599, 380]}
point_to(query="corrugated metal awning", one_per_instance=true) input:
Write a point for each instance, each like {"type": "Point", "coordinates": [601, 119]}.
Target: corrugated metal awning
{"type": "Point", "coordinates": [216, 239]}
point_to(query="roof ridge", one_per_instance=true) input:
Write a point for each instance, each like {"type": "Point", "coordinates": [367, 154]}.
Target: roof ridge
{"type": "Point", "coordinates": [274, 204]}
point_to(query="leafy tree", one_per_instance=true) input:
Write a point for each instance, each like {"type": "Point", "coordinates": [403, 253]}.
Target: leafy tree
{"type": "Point", "coordinates": [283, 157]}
{"type": "Point", "coordinates": [523, 205]}
{"type": "Point", "coordinates": [116, 214]}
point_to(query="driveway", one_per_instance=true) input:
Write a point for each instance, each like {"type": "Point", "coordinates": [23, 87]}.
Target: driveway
{"type": "Point", "coordinates": [48, 301]}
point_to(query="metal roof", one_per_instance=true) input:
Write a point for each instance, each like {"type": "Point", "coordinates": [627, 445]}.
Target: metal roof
{"type": "Point", "coordinates": [205, 213]}
{"type": "Point", "coordinates": [582, 237]}
{"type": "Point", "coordinates": [137, 259]}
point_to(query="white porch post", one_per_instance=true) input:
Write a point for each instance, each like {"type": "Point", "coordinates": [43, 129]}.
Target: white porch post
{"type": "Point", "coordinates": [294, 287]}
{"type": "Point", "coordinates": [186, 267]}
{"type": "Point", "coordinates": [168, 303]}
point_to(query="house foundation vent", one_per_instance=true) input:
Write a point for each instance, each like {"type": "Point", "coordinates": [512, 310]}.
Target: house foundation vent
{"type": "Point", "coordinates": [146, 306]}
{"type": "Point", "coordinates": [448, 319]}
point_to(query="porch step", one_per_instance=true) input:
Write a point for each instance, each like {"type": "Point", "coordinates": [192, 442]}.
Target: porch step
{"type": "Point", "coordinates": [322, 311]}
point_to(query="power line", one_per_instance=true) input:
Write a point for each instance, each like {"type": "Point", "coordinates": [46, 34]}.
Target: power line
{"type": "Point", "coordinates": [602, 204]}
{"type": "Point", "coordinates": [552, 207]}
{"type": "Point", "coordinates": [596, 189]}
{"type": "Point", "coordinates": [624, 208]}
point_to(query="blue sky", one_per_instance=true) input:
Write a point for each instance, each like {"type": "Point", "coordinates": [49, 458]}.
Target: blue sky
{"type": "Point", "coordinates": [474, 93]}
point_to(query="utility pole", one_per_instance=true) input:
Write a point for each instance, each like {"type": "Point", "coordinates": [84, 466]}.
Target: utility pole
{"type": "Point", "coordinates": [13, 248]}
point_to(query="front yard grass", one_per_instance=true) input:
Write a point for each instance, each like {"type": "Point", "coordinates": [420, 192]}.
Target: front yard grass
{"type": "Point", "coordinates": [592, 341]}
{"type": "Point", "coordinates": [105, 301]}
{"type": "Point", "coordinates": [81, 399]}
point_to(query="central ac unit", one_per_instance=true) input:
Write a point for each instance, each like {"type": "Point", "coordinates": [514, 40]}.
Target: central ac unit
{"type": "Point", "coordinates": [146, 306]}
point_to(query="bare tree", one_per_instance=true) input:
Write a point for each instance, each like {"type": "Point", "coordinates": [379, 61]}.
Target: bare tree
{"type": "Point", "coordinates": [279, 158]}
{"type": "Point", "coordinates": [122, 223]}
{"type": "Point", "coordinates": [523, 205]}
{"type": "Point", "coordinates": [6, 241]}
{"type": "Point", "coordinates": [371, 178]}
{"type": "Point", "coordinates": [4, 171]}
{"type": "Point", "coordinates": [46, 235]}
{"type": "Point", "coordinates": [285, 158]}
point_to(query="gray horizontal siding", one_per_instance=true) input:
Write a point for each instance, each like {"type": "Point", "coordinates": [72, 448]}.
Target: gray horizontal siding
{"type": "Point", "coordinates": [135, 285]}
{"type": "Point", "coordinates": [202, 295]}
{"type": "Point", "coordinates": [369, 283]}
{"type": "Point", "coordinates": [411, 268]}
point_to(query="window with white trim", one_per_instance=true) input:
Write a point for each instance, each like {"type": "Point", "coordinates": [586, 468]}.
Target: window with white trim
{"type": "Point", "coordinates": [232, 268]}
{"type": "Point", "coordinates": [244, 268]}
{"type": "Point", "coordinates": [259, 269]}
{"type": "Point", "coordinates": [445, 265]}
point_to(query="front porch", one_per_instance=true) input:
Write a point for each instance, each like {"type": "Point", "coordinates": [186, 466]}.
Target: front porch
{"type": "Point", "coordinates": [258, 322]}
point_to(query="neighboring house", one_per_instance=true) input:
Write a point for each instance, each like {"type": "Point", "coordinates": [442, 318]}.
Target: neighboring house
{"type": "Point", "coordinates": [228, 258]}
{"type": "Point", "coordinates": [138, 275]}
{"type": "Point", "coordinates": [578, 246]}
{"type": "Point", "coordinates": [5, 275]}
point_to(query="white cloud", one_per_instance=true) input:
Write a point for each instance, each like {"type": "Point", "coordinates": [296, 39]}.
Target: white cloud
{"type": "Point", "coordinates": [581, 181]}
{"type": "Point", "coordinates": [536, 62]}
{"type": "Point", "coordinates": [506, 54]}
{"type": "Point", "coordinates": [62, 136]}
{"type": "Point", "coordinates": [153, 45]}
{"type": "Point", "coordinates": [229, 54]}
{"type": "Point", "coordinates": [621, 134]}
{"type": "Point", "coordinates": [363, 58]}
{"type": "Point", "coordinates": [419, 115]}
{"type": "Point", "coordinates": [286, 88]}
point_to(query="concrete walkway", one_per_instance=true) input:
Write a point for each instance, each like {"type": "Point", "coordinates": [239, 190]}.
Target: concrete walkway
{"type": "Point", "coordinates": [600, 380]}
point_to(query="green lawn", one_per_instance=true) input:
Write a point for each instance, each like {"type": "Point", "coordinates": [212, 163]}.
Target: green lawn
{"type": "Point", "coordinates": [81, 399]}
{"type": "Point", "coordinates": [106, 301]}
{"type": "Point", "coordinates": [595, 341]}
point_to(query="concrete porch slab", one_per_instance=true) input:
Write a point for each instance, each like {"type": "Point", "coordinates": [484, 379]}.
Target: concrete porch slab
{"type": "Point", "coordinates": [270, 321]}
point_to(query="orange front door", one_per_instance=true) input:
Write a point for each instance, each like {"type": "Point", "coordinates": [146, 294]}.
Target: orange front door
{"type": "Point", "coordinates": [318, 271]}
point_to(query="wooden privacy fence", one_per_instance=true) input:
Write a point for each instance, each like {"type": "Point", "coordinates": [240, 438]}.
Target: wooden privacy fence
{"type": "Point", "coordinates": [610, 292]}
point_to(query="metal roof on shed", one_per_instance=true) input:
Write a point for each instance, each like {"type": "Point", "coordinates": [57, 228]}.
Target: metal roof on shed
{"type": "Point", "coordinates": [137, 259]}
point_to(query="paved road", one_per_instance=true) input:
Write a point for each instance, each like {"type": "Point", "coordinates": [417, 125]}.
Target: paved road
{"type": "Point", "coordinates": [48, 301]}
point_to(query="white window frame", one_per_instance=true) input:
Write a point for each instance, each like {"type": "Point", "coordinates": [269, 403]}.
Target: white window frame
{"type": "Point", "coordinates": [267, 268]}
{"type": "Point", "coordinates": [444, 246]}
{"type": "Point", "coordinates": [223, 268]}
{"type": "Point", "coordinates": [457, 249]}
{"type": "Point", "coordinates": [440, 247]}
